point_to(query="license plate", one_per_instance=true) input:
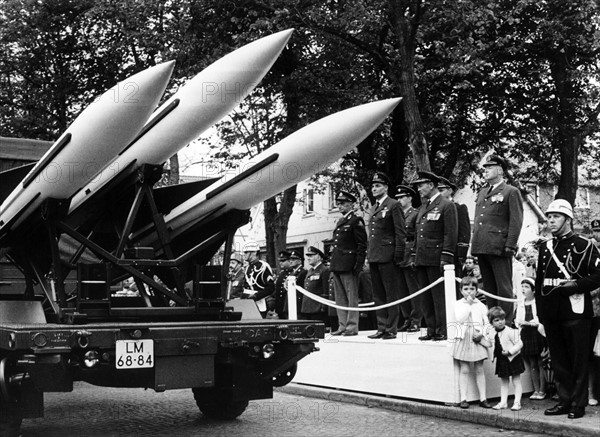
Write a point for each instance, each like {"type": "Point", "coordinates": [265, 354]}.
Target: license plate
{"type": "Point", "coordinates": [134, 354]}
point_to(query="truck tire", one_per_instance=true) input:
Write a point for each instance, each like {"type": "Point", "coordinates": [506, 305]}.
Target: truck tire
{"type": "Point", "coordinates": [10, 421]}
{"type": "Point", "coordinates": [217, 404]}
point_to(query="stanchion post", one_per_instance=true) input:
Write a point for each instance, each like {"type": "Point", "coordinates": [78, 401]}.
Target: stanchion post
{"type": "Point", "coordinates": [450, 298]}
{"type": "Point", "coordinates": [450, 293]}
{"type": "Point", "coordinates": [291, 295]}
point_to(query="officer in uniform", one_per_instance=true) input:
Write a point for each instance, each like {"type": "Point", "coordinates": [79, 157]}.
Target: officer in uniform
{"type": "Point", "coordinates": [296, 269]}
{"type": "Point", "coordinates": [411, 309]}
{"type": "Point", "coordinates": [280, 283]}
{"type": "Point", "coordinates": [387, 238]}
{"type": "Point", "coordinates": [316, 282]}
{"type": "Point", "coordinates": [497, 225]}
{"type": "Point", "coordinates": [236, 277]}
{"type": "Point", "coordinates": [258, 277]}
{"type": "Point", "coordinates": [447, 190]}
{"type": "Point", "coordinates": [347, 258]}
{"type": "Point", "coordinates": [568, 270]}
{"type": "Point", "coordinates": [435, 243]}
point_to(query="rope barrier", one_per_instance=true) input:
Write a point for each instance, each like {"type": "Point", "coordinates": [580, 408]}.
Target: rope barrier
{"type": "Point", "coordinates": [374, 308]}
{"type": "Point", "coordinates": [494, 296]}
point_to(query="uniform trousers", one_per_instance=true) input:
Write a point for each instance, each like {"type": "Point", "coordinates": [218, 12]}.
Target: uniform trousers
{"type": "Point", "coordinates": [496, 275]}
{"type": "Point", "coordinates": [411, 309]}
{"type": "Point", "coordinates": [345, 287]}
{"type": "Point", "coordinates": [569, 344]}
{"type": "Point", "coordinates": [433, 301]}
{"type": "Point", "coordinates": [384, 277]}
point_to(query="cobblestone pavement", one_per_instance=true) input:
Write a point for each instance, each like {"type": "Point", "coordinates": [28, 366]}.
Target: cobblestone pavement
{"type": "Point", "coordinates": [97, 411]}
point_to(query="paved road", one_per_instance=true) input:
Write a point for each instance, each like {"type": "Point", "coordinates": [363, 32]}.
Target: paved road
{"type": "Point", "coordinates": [101, 412]}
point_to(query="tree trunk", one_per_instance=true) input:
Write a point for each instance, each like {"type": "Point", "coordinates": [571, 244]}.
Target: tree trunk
{"type": "Point", "coordinates": [568, 138]}
{"type": "Point", "coordinates": [404, 17]}
{"type": "Point", "coordinates": [174, 173]}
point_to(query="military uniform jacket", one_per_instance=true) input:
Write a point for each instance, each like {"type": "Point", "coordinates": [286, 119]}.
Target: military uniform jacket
{"type": "Point", "coordinates": [436, 233]}
{"type": "Point", "coordinates": [498, 220]}
{"type": "Point", "coordinates": [464, 230]}
{"type": "Point", "coordinates": [237, 284]}
{"type": "Point", "coordinates": [280, 290]}
{"type": "Point", "coordinates": [581, 261]}
{"type": "Point", "coordinates": [300, 273]}
{"type": "Point", "coordinates": [387, 234]}
{"type": "Point", "coordinates": [317, 282]}
{"type": "Point", "coordinates": [410, 223]}
{"type": "Point", "coordinates": [349, 244]}
{"type": "Point", "coordinates": [259, 277]}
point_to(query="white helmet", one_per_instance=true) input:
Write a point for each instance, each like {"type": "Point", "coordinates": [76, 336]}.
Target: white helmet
{"type": "Point", "coordinates": [561, 206]}
{"type": "Point", "coordinates": [251, 246]}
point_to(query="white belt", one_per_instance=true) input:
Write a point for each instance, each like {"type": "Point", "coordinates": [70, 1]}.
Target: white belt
{"type": "Point", "coordinates": [553, 282]}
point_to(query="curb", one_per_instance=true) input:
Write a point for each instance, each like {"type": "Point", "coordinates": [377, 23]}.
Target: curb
{"type": "Point", "coordinates": [528, 419]}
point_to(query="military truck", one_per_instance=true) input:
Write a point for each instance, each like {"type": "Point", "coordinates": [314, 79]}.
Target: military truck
{"type": "Point", "coordinates": [65, 317]}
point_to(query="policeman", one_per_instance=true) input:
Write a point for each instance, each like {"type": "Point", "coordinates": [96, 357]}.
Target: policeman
{"type": "Point", "coordinates": [347, 258]}
{"type": "Point", "coordinates": [496, 228]}
{"type": "Point", "coordinates": [435, 243]}
{"type": "Point", "coordinates": [387, 238]}
{"type": "Point", "coordinates": [568, 269]}
{"type": "Point", "coordinates": [316, 282]}
{"type": "Point", "coordinates": [236, 276]}
{"type": "Point", "coordinates": [258, 277]}
{"type": "Point", "coordinates": [280, 283]}
{"type": "Point", "coordinates": [411, 309]}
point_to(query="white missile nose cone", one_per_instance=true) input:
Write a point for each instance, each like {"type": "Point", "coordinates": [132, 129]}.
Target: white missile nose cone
{"type": "Point", "coordinates": [153, 78]}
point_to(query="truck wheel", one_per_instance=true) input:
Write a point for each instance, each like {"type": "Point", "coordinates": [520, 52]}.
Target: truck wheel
{"type": "Point", "coordinates": [285, 377]}
{"type": "Point", "coordinates": [218, 404]}
{"type": "Point", "coordinates": [10, 421]}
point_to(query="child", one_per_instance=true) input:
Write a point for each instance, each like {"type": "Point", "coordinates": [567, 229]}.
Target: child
{"type": "Point", "coordinates": [533, 341]}
{"type": "Point", "coordinates": [507, 346]}
{"type": "Point", "coordinates": [471, 345]}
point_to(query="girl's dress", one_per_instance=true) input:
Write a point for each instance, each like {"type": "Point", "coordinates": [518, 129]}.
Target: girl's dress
{"type": "Point", "coordinates": [533, 341]}
{"type": "Point", "coordinates": [504, 366]}
{"type": "Point", "coordinates": [465, 349]}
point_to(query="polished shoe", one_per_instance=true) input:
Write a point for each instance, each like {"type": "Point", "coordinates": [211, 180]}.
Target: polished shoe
{"type": "Point", "coordinates": [388, 336]}
{"type": "Point", "coordinates": [499, 406]}
{"type": "Point", "coordinates": [426, 337]}
{"type": "Point", "coordinates": [485, 404]}
{"type": "Point", "coordinates": [576, 413]}
{"type": "Point", "coordinates": [516, 406]}
{"type": "Point", "coordinates": [557, 410]}
{"type": "Point", "coordinates": [349, 334]}
{"type": "Point", "coordinates": [440, 337]}
{"type": "Point", "coordinates": [592, 402]}
{"type": "Point", "coordinates": [404, 327]}
{"type": "Point", "coordinates": [464, 404]}
{"type": "Point", "coordinates": [338, 332]}
{"type": "Point", "coordinates": [413, 328]}
{"type": "Point", "coordinates": [378, 334]}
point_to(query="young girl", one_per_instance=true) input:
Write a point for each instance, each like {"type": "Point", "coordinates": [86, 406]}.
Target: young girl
{"type": "Point", "coordinates": [507, 346]}
{"type": "Point", "coordinates": [471, 345]}
{"type": "Point", "coordinates": [533, 341]}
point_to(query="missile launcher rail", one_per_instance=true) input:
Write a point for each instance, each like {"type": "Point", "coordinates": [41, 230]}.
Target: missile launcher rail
{"type": "Point", "coordinates": [62, 320]}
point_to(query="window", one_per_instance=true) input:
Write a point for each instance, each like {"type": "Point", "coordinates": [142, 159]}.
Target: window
{"type": "Point", "coordinates": [309, 201]}
{"type": "Point", "coordinates": [533, 191]}
{"type": "Point", "coordinates": [582, 201]}
{"type": "Point", "coordinates": [331, 198]}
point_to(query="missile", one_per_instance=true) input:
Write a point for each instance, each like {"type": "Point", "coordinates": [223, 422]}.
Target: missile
{"type": "Point", "coordinates": [295, 158]}
{"type": "Point", "coordinates": [200, 103]}
{"type": "Point", "coordinates": [100, 132]}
